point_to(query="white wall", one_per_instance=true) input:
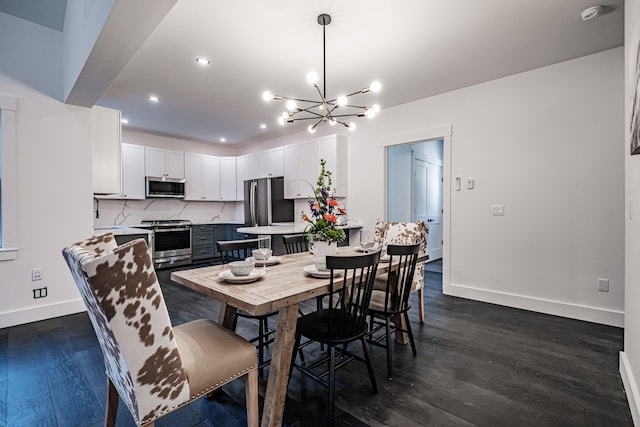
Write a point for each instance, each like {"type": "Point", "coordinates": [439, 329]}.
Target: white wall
{"type": "Point", "coordinates": [546, 144]}
{"type": "Point", "coordinates": [54, 203]}
{"type": "Point", "coordinates": [630, 357]}
{"type": "Point", "coordinates": [549, 150]}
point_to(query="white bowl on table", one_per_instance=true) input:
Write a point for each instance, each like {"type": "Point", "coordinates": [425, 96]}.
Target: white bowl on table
{"type": "Point", "coordinates": [241, 268]}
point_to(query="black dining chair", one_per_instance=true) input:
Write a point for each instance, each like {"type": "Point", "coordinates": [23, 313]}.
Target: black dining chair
{"type": "Point", "coordinates": [342, 321]}
{"type": "Point", "coordinates": [295, 243]}
{"type": "Point", "coordinates": [238, 250]}
{"type": "Point", "coordinates": [389, 305]}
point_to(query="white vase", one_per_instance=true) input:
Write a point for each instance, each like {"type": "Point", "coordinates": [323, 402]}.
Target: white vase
{"type": "Point", "coordinates": [320, 251]}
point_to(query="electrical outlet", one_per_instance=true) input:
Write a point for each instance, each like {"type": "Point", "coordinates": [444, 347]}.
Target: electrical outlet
{"type": "Point", "coordinates": [497, 210]}
{"type": "Point", "coordinates": [36, 274]}
{"type": "Point", "coordinates": [603, 285]}
{"type": "Point", "coordinates": [40, 292]}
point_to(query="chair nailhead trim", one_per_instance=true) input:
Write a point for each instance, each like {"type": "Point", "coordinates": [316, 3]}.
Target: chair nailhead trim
{"type": "Point", "coordinates": [173, 408]}
{"type": "Point", "coordinates": [225, 381]}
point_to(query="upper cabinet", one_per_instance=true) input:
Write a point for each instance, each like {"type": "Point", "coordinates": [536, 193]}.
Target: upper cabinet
{"type": "Point", "coordinates": [300, 170]}
{"type": "Point", "coordinates": [132, 174]}
{"type": "Point", "coordinates": [202, 177]}
{"type": "Point", "coordinates": [132, 171]}
{"type": "Point", "coordinates": [210, 178]}
{"type": "Point", "coordinates": [333, 149]}
{"type": "Point", "coordinates": [271, 162]}
{"type": "Point", "coordinates": [302, 166]}
{"type": "Point", "coordinates": [228, 180]}
{"type": "Point", "coordinates": [106, 138]}
{"type": "Point", "coordinates": [161, 162]}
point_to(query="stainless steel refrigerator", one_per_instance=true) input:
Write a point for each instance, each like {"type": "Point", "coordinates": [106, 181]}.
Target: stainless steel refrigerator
{"type": "Point", "coordinates": [264, 202]}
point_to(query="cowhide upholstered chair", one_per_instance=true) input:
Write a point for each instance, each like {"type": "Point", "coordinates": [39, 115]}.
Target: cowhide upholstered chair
{"type": "Point", "coordinates": [404, 233]}
{"type": "Point", "coordinates": [153, 367]}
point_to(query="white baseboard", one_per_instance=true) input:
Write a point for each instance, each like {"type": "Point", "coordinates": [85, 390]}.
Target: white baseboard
{"type": "Point", "coordinates": [630, 387]}
{"type": "Point", "coordinates": [556, 308]}
{"type": "Point", "coordinates": [34, 314]}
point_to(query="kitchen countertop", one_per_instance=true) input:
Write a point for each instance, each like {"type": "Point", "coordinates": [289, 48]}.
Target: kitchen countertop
{"type": "Point", "coordinates": [120, 230]}
{"type": "Point", "coordinates": [295, 228]}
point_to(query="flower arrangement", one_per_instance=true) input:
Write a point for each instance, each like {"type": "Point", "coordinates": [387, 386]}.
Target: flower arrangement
{"type": "Point", "coordinates": [324, 211]}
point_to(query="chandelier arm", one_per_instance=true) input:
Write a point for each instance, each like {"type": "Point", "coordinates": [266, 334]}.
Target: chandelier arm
{"type": "Point", "coordinates": [299, 100]}
{"type": "Point", "coordinates": [310, 112]}
{"type": "Point", "coordinates": [345, 115]}
{"type": "Point", "coordinates": [304, 118]}
{"type": "Point", "coordinates": [354, 93]}
{"type": "Point", "coordinates": [320, 93]}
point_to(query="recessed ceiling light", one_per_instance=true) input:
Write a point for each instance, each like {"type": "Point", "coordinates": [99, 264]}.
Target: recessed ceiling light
{"type": "Point", "coordinates": [223, 139]}
{"type": "Point", "coordinates": [124, 121]}
{"type": "Point", "coordinates": [154, 98]}
{"type": "Point", "coordinates": [202, 60]}
{"type": "Point", "coordinates": [591, 12]}
{"type": "Point", "coordinates": [263, 125]}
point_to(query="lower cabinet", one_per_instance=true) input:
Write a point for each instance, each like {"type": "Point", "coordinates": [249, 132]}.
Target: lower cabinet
{"type": "Point", "coordinates": [204, 239]}
{"type": "Point", "coordinates": [202, 242]}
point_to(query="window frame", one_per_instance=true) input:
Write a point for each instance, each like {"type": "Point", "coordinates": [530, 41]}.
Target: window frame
{"type": "Point", "coordinates": [9, 218]}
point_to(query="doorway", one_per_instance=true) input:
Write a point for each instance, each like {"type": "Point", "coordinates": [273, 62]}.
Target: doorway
{"type": "Point", "coordinates": [414, 188]}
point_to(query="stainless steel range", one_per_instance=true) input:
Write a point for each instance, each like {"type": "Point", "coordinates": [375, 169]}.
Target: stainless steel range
{"type": "Point", "coordinates": [171, 242]}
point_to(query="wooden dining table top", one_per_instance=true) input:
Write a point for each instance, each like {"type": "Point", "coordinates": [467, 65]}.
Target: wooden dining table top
{"type": "Point", "coordinates": [284, 283]}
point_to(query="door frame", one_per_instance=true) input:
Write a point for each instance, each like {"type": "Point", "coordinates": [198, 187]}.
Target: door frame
{"type": "Point", "coordinates": [417, 136]}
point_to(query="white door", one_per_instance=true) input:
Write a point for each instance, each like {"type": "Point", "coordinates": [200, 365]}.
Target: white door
{"type": "Point", "coordinates": [427, 202]}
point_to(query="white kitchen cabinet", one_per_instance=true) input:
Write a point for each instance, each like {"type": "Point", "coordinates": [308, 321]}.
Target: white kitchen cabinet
{"type": "Point", "coordinates": [228, 180]}
{"type": "Point", "coordinates": [160, 162]}
{"type": "Point", "coordinates": [242, 174]}
{"type": "Point", "coordinates": [253, 166]}
{"type": "Point", "coordinates": [106, 139]}
{"type": "Point", "coordinates": [271, 163]}
{"type": "Point", "coordinates": [202, 177]}
{"type": "Point", "coordinates": [333, 149]}
{"type": "Point", "coordinates": [301, 169]}
{"type": "Point", "coordinates": [133, 181]}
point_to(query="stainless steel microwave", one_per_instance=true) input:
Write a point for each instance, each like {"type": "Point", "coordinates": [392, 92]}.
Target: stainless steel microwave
{"type": "Point", "coordinates": [165, 187]}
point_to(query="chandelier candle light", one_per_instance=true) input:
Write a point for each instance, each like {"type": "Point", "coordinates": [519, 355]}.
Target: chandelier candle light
{"type": "Point", "coordinates": [332, 111]}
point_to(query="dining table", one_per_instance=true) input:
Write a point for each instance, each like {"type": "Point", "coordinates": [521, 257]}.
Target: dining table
{"type": "Point", "coordinates": [281, 288]}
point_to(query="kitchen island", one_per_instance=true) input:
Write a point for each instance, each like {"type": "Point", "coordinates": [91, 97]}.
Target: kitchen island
{"type": "Point", "coordinates": [352, 229]}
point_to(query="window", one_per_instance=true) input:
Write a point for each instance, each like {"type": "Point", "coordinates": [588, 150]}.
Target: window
{"type": "Point", "coordinates": [8, 190]}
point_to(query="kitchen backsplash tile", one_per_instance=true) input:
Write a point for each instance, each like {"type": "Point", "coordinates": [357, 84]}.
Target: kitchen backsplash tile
{"type": "Point", "coordinates": [129, 212]}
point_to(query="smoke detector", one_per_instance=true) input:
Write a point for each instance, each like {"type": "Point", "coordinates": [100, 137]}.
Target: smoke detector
{"type": "Point", "coordinates": [591, 12]}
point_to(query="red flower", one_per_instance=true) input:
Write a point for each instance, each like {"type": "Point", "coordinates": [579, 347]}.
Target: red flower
{"type": "Point", "coordinates": [305, 218]}
{"type": "Point", "coordinates": [315, 206]}
{"type": "Point", "coordinates": [342, 211]}
{"type": "Point", "coordinates": [330, 217]}
{"type": "Point", "coordinates": [332, 202]}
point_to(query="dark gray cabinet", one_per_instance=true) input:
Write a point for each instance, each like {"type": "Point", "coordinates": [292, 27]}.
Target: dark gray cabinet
{"type": "Point", "coordinates": [204, 238]}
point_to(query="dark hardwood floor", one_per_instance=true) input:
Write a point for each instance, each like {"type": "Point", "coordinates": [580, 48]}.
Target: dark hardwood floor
{"type": "Point", "coordinates": [478, 364]}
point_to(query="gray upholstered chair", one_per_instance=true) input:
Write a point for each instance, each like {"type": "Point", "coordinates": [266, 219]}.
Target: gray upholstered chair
{"type": "Point", "coordinates": [153, 367]}
{"type": "Point", "coordinates": [404, 233]}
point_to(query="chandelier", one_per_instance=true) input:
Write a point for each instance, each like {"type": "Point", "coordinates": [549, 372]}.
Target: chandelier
{"type": "Point", "coordinates": [325, 110]}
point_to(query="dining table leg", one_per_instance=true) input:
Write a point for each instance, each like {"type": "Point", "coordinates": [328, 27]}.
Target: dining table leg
{"type": "Point", "coordinates": [278, 380]}
{"type": "Point", "coordinates": [227, 316]}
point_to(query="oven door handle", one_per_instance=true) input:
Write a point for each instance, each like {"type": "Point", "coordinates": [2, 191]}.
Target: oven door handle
{"type": "Point", "coordinates": [167, 230]}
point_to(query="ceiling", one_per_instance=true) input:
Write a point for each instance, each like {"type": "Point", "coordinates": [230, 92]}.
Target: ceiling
{"type": "Point", "coordinates": [415, 48]}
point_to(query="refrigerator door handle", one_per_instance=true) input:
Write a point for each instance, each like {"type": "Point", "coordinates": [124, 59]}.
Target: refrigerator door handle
{"type": "Point", "coordinates": [252, 202]}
